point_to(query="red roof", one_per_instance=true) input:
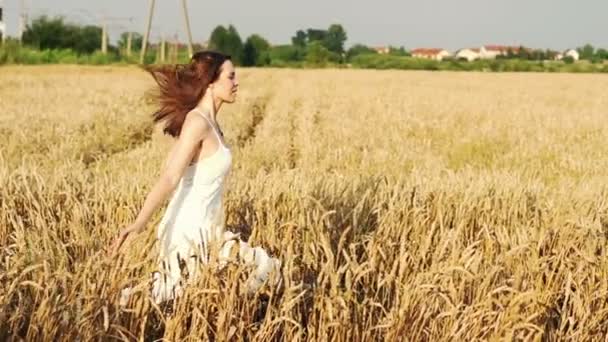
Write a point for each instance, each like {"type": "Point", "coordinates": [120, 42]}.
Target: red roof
{"type": "Point", "coordinates": [426, 52]}
{"type": "Point", "coordinates": [501, 48]}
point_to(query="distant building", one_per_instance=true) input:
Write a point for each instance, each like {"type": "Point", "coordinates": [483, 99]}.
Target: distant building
{"type": "Point", "coordinates": [486, 52]}
{"type": "Point", "coordinates": [568, 53]}
{"type": "Point", "coordinates": [383, 50]}
{"type": "Point", "coordinates": [572, 53]}
{"type": "Point", "coordinates": [435, 54]}
{"type": "Point", "coordinates": [468, 54]}
{"type": "Point", "coordinates": [493, 51]}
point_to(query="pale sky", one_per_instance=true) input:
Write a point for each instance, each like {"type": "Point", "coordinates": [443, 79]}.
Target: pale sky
{"type": "Point", "coordinates": [555, 24]}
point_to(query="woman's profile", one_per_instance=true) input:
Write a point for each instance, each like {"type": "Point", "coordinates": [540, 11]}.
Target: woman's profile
{"type": "Point", "coordinates": [191, 230]}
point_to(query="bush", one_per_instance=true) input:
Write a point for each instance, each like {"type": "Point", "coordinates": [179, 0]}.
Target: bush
{"type": "Point", "coordinates": [359, 49]}
{"type": "Point", "coordinates": [287, 53]}
{"type": "Point", "coordinates": [319, 55]}
{"type": "Point", "coordinates": [394, 62]}
{"type": "Point", "coordinates": [568, 60]}
{"type": "Point", "coordinates": [98, 58]}
{"type": "Point", "coordinates": [14, 53]}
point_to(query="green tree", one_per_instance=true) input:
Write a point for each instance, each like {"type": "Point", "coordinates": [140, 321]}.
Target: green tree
{"type": "Point", "coordinates": [586, 52]}
{"type": "Point", "coordinates": [227, 41]}
{"type": "Point", "coordinates": [510, 54]}
{"type": "Point", "coordinates": [235, 43]}
{"type": "Point", "coordinates": [550, 54]}
{"type": "Point", "coordinates": [53, 33]}
{"type": "Point", "coordinates": [316, 53]}
{"type": "Point", "coordinates": [88, 39]}
{"type": "Point", "coordinates": [400, 51]}
{"type": "Point", "coordinates": [287, 53]}
{"type": "Point", "coordinates": [313, 35]}
{"type": "Point", "coordinates": [299, 39]}
{"type": "Point", "coordinates": [255, 51]}
{"type": "Point", "coordinates": [46, 33]}
{"type": "Point", "coordinates": [523, 53]}
{"type": "Point", "coordinates": [359, 49]}
{"type": "Point", "coordinates": [334, 39]}
{"type": "Point", "coordinates": [568, 60]}
{"type": "Point", "coordinates": [218, 38]}
{"type": "Point", "coordinates": [538, 55]}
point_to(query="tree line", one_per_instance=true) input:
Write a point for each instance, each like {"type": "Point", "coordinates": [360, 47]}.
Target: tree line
{"type": "Point", "coordinates": [308, 47]}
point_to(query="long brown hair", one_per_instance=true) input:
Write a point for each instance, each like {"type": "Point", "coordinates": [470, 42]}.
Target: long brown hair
{"type": "Point", "coordinates": [181, 87]}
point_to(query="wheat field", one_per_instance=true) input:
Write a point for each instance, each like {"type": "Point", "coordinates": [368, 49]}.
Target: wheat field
{"type": "Point", "coordinates": [403, 205]}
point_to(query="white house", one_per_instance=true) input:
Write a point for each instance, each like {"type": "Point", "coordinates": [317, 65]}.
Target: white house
{"type": "Point", "coordinates": [435, 54]}
{"type": "Point", "coordinates": [488, 53]}
{"type": "Point", "coordinates": [572, 53]}
{"type": "Point", "coordinates": [493, 51]}
{"type": "Point", "coordinates": [468, 54]}
{"type": "Point", "coordinates": [568, 53]}
{"type": "Point", "coordinates": [383, 50]}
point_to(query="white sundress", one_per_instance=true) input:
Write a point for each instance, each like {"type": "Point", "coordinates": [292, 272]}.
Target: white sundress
{"type": "Point", "coordinates": [193, 222]}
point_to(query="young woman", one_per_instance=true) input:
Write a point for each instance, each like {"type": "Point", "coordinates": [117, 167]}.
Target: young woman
{"type": "Point", "coordinates": [191, 230]}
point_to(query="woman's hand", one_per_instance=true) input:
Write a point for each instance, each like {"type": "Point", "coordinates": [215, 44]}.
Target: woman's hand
{"type": "Point", "coordinates": [122, 236]}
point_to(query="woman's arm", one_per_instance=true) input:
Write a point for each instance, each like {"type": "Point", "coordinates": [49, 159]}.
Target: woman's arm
{"type": "Point", "coordinates": [169, 156]}
{"type": "Point", "coordinates": [194, 130]}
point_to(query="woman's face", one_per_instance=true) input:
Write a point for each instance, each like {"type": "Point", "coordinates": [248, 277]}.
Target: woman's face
{"type": "Point", "coordinates": [226, 86]}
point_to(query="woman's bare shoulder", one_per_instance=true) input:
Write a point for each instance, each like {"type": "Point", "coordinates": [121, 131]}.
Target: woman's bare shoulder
{"type": "Point", "coordinates": [195, 124]}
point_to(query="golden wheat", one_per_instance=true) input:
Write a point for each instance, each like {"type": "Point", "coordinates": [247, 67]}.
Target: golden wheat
{"type": "Point", "coordinates": [404, 206]}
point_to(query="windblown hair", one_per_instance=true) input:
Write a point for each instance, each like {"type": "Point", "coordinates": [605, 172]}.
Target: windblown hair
{"type": "Point", "coordinates": [181, 87]}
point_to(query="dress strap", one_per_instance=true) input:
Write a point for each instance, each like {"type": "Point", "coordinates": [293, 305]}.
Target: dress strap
{"type": "Point", "coordinates": [212, 125]}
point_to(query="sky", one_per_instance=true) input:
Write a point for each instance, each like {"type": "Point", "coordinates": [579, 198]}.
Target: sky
{"type": "Point", "coordinates": [449, 24]}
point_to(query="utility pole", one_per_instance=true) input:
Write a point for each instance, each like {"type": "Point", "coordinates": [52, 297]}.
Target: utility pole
{"type": "Point", "coordinates": [104, 36]}
{"type": "Point", "coordinates": [2, 24]}
{"type": "Point", "coordinates": [163, 49]}
{"type": "Point", "coordinates": [159, 50]}
{"type": "Point", "coordinates": [188, 32]}
{"type": "Point", "coordinates": [130, 37]}
{"type": "Point", "coordinates": [107, 23]}
{"type": "Point", "coordinates": [147, 35]}
{"type": "Point", "coordinates": [22, 20]}
{"type": "Point", "coordinates": [174, 49]}
{"type": "Point", "coordinates": [129, 42]}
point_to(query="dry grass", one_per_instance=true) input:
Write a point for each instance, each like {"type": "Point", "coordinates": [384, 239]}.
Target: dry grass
{"type": "Point", "coordinates": [419, 206]}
